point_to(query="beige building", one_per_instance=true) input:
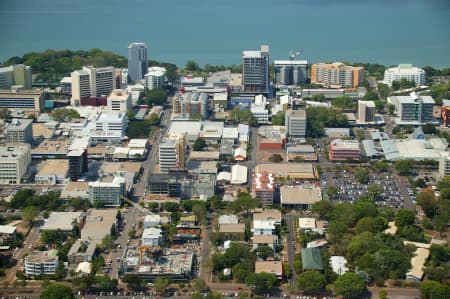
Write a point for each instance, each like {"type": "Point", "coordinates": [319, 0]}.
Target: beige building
{"type": "Point", "coordinates": [295, 121]}
{"type": "Point", "coordinates": [14, 161]}
{"type": "Point", "coordinates": [366, 111]}
{"type": "Point", "coordinates": [337, 75]}
{"type": "Point", "coordinates": [119, 100]}
{"type": "Point", "coordinates": [91, 82]}
{"type": "Point", "coordinates": [26, 100]}
{"type": "Point", "coordinates": [17, 74]}
{"type": "Point", "coordinates": [172, 153]}
{"type": "Point", "coordinates": [53, 172]}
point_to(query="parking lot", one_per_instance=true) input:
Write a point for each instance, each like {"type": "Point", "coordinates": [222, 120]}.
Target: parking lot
{"type": "Point", "coordinates": [349, 189]}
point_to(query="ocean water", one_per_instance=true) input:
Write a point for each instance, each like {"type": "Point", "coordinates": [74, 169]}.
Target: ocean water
{"type": "Point", "coordinates": [216, 31]}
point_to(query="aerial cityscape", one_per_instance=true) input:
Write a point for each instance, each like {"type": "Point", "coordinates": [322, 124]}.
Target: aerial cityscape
{"type": "Point", "coordinates": [125, 174]}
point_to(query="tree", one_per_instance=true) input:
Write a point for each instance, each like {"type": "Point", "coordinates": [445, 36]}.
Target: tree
{"type": "Point", "coordinates": [384, 90]}
{"type": "Point", "coordinates": [240, 272]}
{"type": "Point", "coordinates": [192, 66]}
{"type": "Point", "coordinates": [261, 282]}
{"type": "Point", "coordinates": [431, 289]}
{"type": "Point", "coordinates": [264, 252]}
{"type": "Point", "coordinates": [63, 114]}
{"type": "Point", "coordinates": [320, 117]}
{"type": "Point", "coordinates": [405, 217]}
{"type": "Point", "coordinates": [362, 176]}
{"type": "Point", "coordinates": [4, 113]}
{"type": "Point", "coordinates": [200, 213]}
{"type": "Point", "coordinates": [216, 202]}
{"type": "Point", "coordinates": [107, 242]}
{"type": "Point", "coordinates": [370, 224]}
{"type": "Point", "coordinates": [131, 233]}
{"type": "Point", "coordinates": [130, 114]}
{"type": "Point", "coordinates": [242, 116]}
{"type": "Point", "coordinates": [171, 206]}
{"type": "Point", "coordinates": [350, 285]}
{"type": "Point", "coordinates": [160, 284]}
{"type": "Point", "coordinates": [199, 144]}
{"type": "Point", "coordinates": [29, 213]}
{"type": "Point", "coordinates": [157, 96]}
{"type": "Point", "coordinates": [106, 283]}
{"type": "Point", "coordinates": [324, 208]}
{"type": "Point", "coordinates": [379, 105]}
{"type": "Point", "coordinates": [153, 206]}
{"type": "Point", "coordinates": [404, 167]}
{"type": "Point", "coordinates": [374, 191]}
{"type": "Point", "coordinates": [244, 202]}
{"type": "Point", "coordinates": [336, 230]}
{"type": "Point", "coordinates": [382, 294]}
{"type": "Point", "coordinates": [370, 96]}
{"type": "Point", "coordinates": [427, 201]}
{"type": "Point", "coordinates": [133, 282]}
{"type": "Point", "coordinates": [57, 291]}
{"type": "Point", "coordinates": [276, 158]}
{"type": "Point", "coordinates": [311, 282]}
{"type": "Point", "coordinates": [200, 286]}
{"type": "Point", "coordinates": [279, 118]}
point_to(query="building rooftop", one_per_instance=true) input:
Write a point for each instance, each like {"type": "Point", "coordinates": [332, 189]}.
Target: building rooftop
{"type": "Point", "coordinates": [411, 99]}
{"type": "Point", "coordinates": [98, 224]}
{"type": "Point", "coordinates": [7, 229]}
{"type": "Point", "coordinates": [151, 233]}
{"type": "Point", "coordinates": [272, 267]}
{"type": "Point", "coordinates": [228, 219]}
{"type": "Point", "coordinates": [267, 214]}
{"type": "Point", "coordinates": [293, 170]}
{"type": "Point", "coordinates": [307, 223]}
{"type": "Point", "coordinates": [339, 144]}
{"type": "Point", "coordinates": [311, 259]}
{"type": "Point", "coordinates": [111, 117]}
{"type": "Point", "coordinates": [40, 130]}
{"type": "Point", "coordinates": [264, 239]}
{"type": "Point", "coordinates": [18, 124]}
{"type": "Point", "coordinates": [54, 167]}
{"type": "Point", "coordinates": [290, 62]}
{"type": "Point", "coordinates": [42, 256]}
{"type": "Point", "coordinates": [293, 195]}
{"type": "Point", "coordinates": [119, 94]}
{"type": "Point", "coordinates": [338, 264]}
{"type": "Point", "coordinates": [13, 152]}
{"type": "Point", "coordinates": [232, 228]}
{"type": "Point", "coordinates": [404, 69]}
{"type": "Point", "coordinates": [61, 221]}
{"type": "Point", "coordinates": [76, 186]}
{"type": "Point", "coordinates": [185, 127]}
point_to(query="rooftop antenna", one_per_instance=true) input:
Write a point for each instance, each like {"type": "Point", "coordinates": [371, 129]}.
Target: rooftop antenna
{"type": "Point", "coordinates": [293, 54]}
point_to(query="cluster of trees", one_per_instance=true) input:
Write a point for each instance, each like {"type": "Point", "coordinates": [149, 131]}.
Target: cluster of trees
{"type": "Point", "coordinates": [240, 116]}
{"type": "Point", "coordinates": [27, 197]}
{"type": "Point", "coordinates": [403, 83]}
{"type": "Point", "coordinates": [171, 69]}
{"type": "Point", "coordinates": [52, 65]}
{"type": "Point", "coordinates": [239, 257]}
{"type": "Point", "coordinates": [344, 103]}
{"type": "Point", "coordinates": [318, 118]}
{"type": "Point", "coordinates": [356, 231]}
{"type": "Point", "coordinates": [194, 67]}
{"type": "Point", "coordinates": [155, 97]}
{"type": "Point", "coordinates": [279, 118]}
{"type": "Point", "coordinates": [199, 144]}
{"type": "Point", "coordinates": [439, 92]}
{"type": "Point", "coordinates": [63, 114]}
{"type": "Point", "coordinates": [142, 129]}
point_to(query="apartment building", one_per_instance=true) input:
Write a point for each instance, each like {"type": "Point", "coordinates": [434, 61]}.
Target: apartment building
{"type": "Point", "coordinates": [39, 263]}
{"type": "Point", "coordinates": [171, 153]}
{"type": "Point", "coordinates": [107, 193]}
{"type": "Point", "coordinates": [155, 77]}
{"type": "Point", "coordinates": [404, 71]}
{"type": "Point", "coordinates": [92, 82]}
{"type": "Point", "coordinates": [337, 75]}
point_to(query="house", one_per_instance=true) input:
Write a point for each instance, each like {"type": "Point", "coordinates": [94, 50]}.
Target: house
{"type": "Point", "coordinates": [265, 240]}
{"type": "Point", "coordinates": [263, 227]}
{"type": "Point", "coordinates": [188, 220]}
{"type": "Point", "coordinates": [228, 219]}
{"type": "Point", "coordinates": [234, 232]}
{"type": "Point", "coordinates": [152, 237]}
{"type": "Point", "coordinates": [307, 223]}
{"type": "Point", "coordinates": [271, 267]}
{"type": "Point", "coordinates": [311, 259]}
{"type": "Point", "coordinates": [267, 214]}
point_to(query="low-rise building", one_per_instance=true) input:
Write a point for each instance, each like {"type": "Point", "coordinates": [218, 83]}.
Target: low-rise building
{"type": "Point", "coordinates": [311, 259]}
{"type": "Point", "coordinates": [228, 219]}
{"type": "Point", "coordinates": [299, 198]}
{"type": "Point", "coordinates": [341, 150]}
{"type": "Point", "coordinates": [75, 190]}
{"type": "Point", "coordinates": [263, 227]}
{"type": "Point", "coordinates": [272, 137]}
{"type": "Point", "coordinates": [39, 263]}
{"type": "Point", "coordinates": [233, 232]}
{"type": "Point", "coordinates": [152, 237]}
{"type": "Point", "coordinates": [151, 220]}
{"type": "Point", "coordinates": [295, 171]}
{"type": "Point", "coordinates": [62, 222]}
{"type": "Point", "coordinates": [98, 224]}
{"type": "Point", "coordinates": [7, 233]}
{"type": "Point", "coordinates": [301, 152]}
{"type": "Point", "coordinates": [26, 100]}
{"type": "Point", "coordinates": [53, 172]}
{"type": "Point", "coordinates": [19, 131]}
{"type": "Point", "coordinates": [265, 240]}
{"type": "Point", "coordinates": [271, 267]}
{"type": "Point", "coordinates": [51, 149]}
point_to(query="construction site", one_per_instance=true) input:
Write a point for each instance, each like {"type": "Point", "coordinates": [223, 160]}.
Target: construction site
{"type": "Point", "coordinates": [149, 262]}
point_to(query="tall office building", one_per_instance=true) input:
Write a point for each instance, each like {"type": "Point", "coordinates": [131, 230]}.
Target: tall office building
{"type": "Point", "coordinates": [406, 71]}
{"type": "Point", "coordinates": [14, 161]}
{"type": "Point", "coordinates": [78, 163]}
{"type": "Point", "coordinates": [137, 61]}
{"type": "Point", "coordinates": [337, 75]}
{"type": "Point", "coordinates": [295, 122]}
{"type": "Point", "coordinates": [255, 70]}
{"type": "Point", "coordinates": [171, 153]}
{"type": "Point", "coordinates": [366, 111]}
{"type": "Point", "coordinates": [413, 109]}
{"type": "Point", "coordinates": [19, 131]}
{"type": "Point", "coordinates": [290, 72]}
{"type": "Point", "coordinates": [92, 82]}
{"type": "Point", "coordinates": [17, 74]}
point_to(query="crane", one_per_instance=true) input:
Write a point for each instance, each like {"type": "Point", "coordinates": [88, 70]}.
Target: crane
{"type": "Point", "coordinates": [293, 54]}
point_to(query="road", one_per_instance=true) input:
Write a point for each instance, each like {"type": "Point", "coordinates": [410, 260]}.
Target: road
{"type": "Point", "coordinates": [31, 239]}
{"type": "Point", "coordinates": [290, 234]}
{"type": "Point", "coordinates": [205, 249]}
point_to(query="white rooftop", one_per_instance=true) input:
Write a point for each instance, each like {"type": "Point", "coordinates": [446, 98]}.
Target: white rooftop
{"type": "Point", "coordinates": [7, 229]}
{"type": "Point", "coordinates": [61, 220]}
{"type": "Point", "coordinates": [307, 223]}
{"type": "Point", "coordinates": [338, 264]}
{"type": "Point", "coordinates": [151, 233]}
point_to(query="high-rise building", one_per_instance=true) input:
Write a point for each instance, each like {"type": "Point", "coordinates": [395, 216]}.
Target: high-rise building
{"type": "Point", "coordinates": [404, 71]}
{"type": "Point", "coordinates": [255, 70]}
{"type": "Point", "coordinates": [92, 82]}
{"type": "Point", "coordinates": [78, 163]}
{"type": "Point", "coordinates": [290, 72]}
{"type": "Point", "coordinates": [366, 111]}
{"type": "Point", "coordinates": [155, 77]}
{"type": "Point", "coordinates": [295, 122]}
{"type": "Point", "coordinates": [171, 153]}
{"type": "Point", "coordinates": [17, 74]}
{"type": "Point", "coordinates": [119, 100]}
{"type": "Point", "coordinates": [14, 161]}
{"type": "Point", "coordinates": [137, 61]}
{"type": "Point", "coordinates": [413, 109]}
{"type": "Point", "coordinates": [19, 131]}
{"type": "Point", "coordinates": [337, 75]}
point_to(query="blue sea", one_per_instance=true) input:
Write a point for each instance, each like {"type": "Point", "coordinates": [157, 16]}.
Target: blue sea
{"type": "Point", "coordinates": [216, 31]}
